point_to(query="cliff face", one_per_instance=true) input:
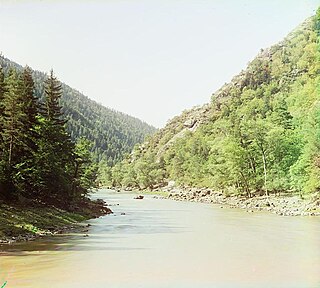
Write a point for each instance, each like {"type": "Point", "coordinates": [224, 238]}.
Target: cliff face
{"type": "Point", "coordinates": [257, 134]}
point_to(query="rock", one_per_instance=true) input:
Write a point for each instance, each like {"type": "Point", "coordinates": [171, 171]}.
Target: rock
{"type": "Point", "coordinates": [100, 201]}
{"type": "Point", "coordinates": [171, 184]}
{"type": "Point", "coordinates": [202, 194]}
{"type": "Point", "coordinates": [189, 123]}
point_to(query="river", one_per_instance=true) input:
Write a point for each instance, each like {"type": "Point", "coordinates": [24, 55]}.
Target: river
{"type": "Point", "coordinates": [168, 244]}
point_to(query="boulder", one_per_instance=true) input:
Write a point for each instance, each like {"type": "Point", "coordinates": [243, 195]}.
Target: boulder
{"type": "Point", "coordinates": [189, 123]}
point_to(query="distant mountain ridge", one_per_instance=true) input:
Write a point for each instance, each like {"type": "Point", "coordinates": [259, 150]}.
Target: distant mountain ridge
{"type": "Point", "coordinates": [113, 133]}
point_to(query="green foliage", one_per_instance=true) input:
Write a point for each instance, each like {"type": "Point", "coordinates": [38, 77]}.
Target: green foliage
{"type": "Point", "coordinates": [112, 133]}
{"type": "Point", "coordinates": [85, 168]}
{"type": "Point", "coordinates": [262, 136]}
{"type": "Point", "coordinates": [317, 22]}
{"type": "Point", "coordinates": [39, 162]}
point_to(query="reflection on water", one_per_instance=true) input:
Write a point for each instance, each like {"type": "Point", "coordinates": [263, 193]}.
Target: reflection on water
{"type": "Point", "coordinates": [167, 244]}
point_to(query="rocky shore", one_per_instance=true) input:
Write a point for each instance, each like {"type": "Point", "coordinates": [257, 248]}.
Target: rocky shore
{"type": "Point", "coordinates": [20, 223]}
{"type": "Point", "coordinates": [285, 205]}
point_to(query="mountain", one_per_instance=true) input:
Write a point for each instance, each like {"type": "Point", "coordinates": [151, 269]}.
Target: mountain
{"type": "Point", "coordinates": [113, 133]}
{"type": "Point", "coordinates": [259, 134]}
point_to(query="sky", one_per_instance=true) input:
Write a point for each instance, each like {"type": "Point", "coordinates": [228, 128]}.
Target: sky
{"type": "Point", "coordinates": [151, 59]}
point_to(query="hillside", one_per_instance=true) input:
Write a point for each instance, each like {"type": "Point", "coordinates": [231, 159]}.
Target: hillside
{"type": "Point", "coordinates": [259, 134]}
{"type": "Point", "coordinates": [113, 133]}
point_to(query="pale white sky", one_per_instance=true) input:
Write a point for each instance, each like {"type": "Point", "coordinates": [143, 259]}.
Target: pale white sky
{"type": "Point", "coordinates": [148, 58]}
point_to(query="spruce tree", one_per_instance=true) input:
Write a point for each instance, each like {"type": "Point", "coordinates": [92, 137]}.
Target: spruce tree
{"type": "Point", "coordinates": [31, 104]}
{"type": "Point", "coordinates": [55, 149]}
{"type": "Point", "coordinates": [52, 110]}
{"type": "Point", "coordinates": [2, 90]}
{"type": "Point", "coordinates": [25, 180]}
{"type": "Point", "coordinates": [2, 161]}
{"type": "Point", "coordinates": [13, 121]}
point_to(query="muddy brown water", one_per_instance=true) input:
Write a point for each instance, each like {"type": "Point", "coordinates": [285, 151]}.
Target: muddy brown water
{"type": "Point", "coordinates": [168, 244]}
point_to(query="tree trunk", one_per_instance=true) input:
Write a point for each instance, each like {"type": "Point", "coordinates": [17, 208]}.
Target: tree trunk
{"type": "Point", "coordinates": [265, 173]}
{"type": "Point", "coordinates": [75, 176]}
{"type": "Point", "coordinates": [10, 151]}
{"type": "Point", "coordinates": [265, 177]}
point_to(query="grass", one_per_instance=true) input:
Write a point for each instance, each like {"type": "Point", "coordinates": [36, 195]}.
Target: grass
{"type": "Point", "coordinates": [16, 221]}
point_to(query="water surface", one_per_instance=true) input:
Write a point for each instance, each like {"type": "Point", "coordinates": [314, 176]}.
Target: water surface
{"type": "Point", "coordinates": [168, 244]}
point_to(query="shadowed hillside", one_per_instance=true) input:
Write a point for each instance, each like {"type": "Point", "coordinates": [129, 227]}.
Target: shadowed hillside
{"type": "Point", "coordinates": [113, 133]}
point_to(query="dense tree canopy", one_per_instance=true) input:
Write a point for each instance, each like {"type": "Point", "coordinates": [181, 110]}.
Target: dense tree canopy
{"type": "Point", "coordinates": [38, 160]}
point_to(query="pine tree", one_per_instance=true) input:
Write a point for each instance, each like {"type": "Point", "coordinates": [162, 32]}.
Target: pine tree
{"type": "Point", "coordinates": [2, 90]}
{"type": "Point", "coordinates": [13, 121]}
{"type": "Point", "coordinates": [24, 180]}
{"type": "Point", "coordinates": [31, 104]}
{"type": "Point", "coordinates": [52, 109]}
{"type": "Point", "coordinates": [14, 117]}
{"type": "Point", "coordinates": [55, 149]}
{"type": "Point", "coordinates": [2, 161]}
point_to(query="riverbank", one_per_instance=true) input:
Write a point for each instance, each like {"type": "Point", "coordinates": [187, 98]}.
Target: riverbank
{"type": "Point", "coordinates": [285, 205]}
{"type": "Point", "coordinates": [21, 223]}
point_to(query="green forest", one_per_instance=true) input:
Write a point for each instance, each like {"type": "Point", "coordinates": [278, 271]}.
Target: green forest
{"type": "Point", "coordinates": [112, 133]}
{"type": "Point", "coordinates": [38, 160]}
{"type": "Point", "coordinates": [260, 134]}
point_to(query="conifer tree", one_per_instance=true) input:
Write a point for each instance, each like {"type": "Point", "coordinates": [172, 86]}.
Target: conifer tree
{"type": "Point", "coordinates": [24, 180]}
{"type": "Point", "coordinates": [2, 90]}
{"type": "Point", "coordinates": [2, 161]}
{"type": "Point", "coordinates": [55, 149]}
{"type": "Point", "coordinates": [52, 109]}
{"type": "Point", "coordinates": [13, 121]}
{"type": "Point", "coordinates": [30, 101]}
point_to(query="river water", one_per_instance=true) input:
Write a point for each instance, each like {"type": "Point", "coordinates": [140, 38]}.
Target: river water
{"type": "Point", "coordinates": [168, 244]}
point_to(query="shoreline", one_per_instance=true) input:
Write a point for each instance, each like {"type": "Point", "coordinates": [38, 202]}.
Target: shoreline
{"type": "Point", "coordinates": [21, 224]}
{"type": "Point", "coordinates": [284, 205]}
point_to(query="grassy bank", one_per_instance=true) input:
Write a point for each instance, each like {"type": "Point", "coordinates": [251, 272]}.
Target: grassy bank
{"type": "Point", "coordinates": [20, 223]}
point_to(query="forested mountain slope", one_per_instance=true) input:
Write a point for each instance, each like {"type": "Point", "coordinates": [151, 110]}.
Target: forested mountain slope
{"type": "Point", "coordinates": [112, 133]}
{"type": "Point", "coordinates": [259, 134]}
